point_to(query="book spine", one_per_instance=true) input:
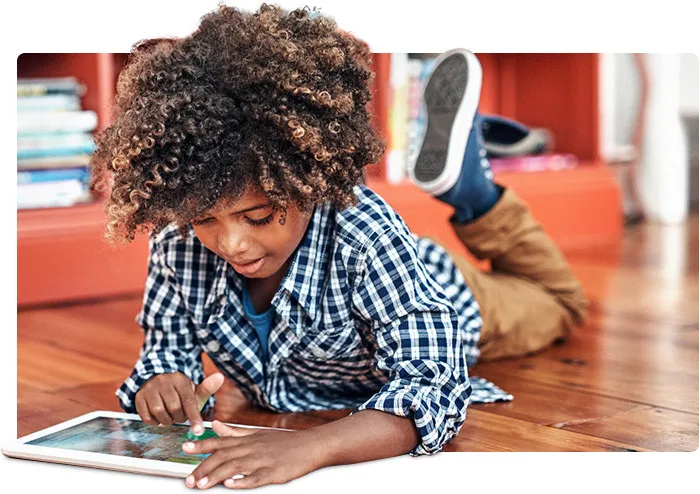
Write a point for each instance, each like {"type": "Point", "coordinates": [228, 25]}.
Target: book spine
{"type": "Point", "coordinates": [54, 102]}
{"type": "Point", "coordinates": [49, 86]}
{"type": "Point", "coordinates": [39, 176]}
{"type": "Point", "coordinates": [53, 145]}
{"type": "Point", "coordinates": [54, 152]}
{"type": "Point", "coordinates": [69, 121]}
{"type": "Point", "coordinates": [398, 109]}
{"type": "Point", "coordinates": [54, 162]}
{"type": "Point", "coordinates": [52, 194]}
{"type": "Point", "coordinates": [53, 140]}
{"type": "Point", "coordinates": [414, 131]}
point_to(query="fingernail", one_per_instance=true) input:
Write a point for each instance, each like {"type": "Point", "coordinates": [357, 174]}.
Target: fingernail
{"type": "Point", "coordinates": [188, 445]}
{"type": "Point", "coordinates": [198, 429]}
{"type": "Point", "coordinates": [202, 482]}
{"type": "Point", "coordinates": [229, 482]}
{"type": "Point", "coordinates": [189, 481]}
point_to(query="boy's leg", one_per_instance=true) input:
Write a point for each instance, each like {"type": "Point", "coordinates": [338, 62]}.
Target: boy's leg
{"type": "Point", "coordinates": [531, 297]}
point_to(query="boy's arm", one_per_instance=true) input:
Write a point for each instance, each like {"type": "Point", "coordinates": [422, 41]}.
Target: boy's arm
{"type": "Point", "coordinates": [417, 411]}
{"type": "Point", "coordinates": [270, 456]}
{"type": "Point", "coordinates": [169, 345]}
{"type": "Point", "coordinates": [363, 436]}
{"type": "Point", "coordinates": [418, 341]}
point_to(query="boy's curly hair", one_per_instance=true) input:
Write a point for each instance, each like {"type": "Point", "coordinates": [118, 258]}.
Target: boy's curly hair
{"type": "Point", "coordinates": [272, 99]}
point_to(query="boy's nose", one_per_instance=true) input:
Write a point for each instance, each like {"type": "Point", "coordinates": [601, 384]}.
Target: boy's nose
{"type": "Point", "coordinates": [232, 245]}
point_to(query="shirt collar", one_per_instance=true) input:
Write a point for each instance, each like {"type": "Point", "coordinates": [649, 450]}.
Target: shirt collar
{"type": "Point", "coordinates": [307, 272]}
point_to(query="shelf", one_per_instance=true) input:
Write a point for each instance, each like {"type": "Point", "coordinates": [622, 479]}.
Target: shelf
{"type": "Point", "coordinates": [589, 194]}
{"type": "Point", "coordinates": [52, 222]}
{"type": "Point", "coordinates": [62, 256]}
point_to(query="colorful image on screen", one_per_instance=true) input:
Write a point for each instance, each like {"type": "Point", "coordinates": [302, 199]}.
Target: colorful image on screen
{"type": "Point", "coordinates": [122, 437]}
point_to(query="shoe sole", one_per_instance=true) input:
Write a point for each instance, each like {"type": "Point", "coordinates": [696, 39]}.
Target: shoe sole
{"type": "Point", "coordinates": [450, 101]}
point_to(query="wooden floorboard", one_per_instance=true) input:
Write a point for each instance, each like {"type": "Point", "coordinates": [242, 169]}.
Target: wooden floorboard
{"type": "Point", "coordinates": [658, 429]}
{"type": "Point", "coordinates": [626, 381]}
{"type": "Point", "coordinates": [485, 431]}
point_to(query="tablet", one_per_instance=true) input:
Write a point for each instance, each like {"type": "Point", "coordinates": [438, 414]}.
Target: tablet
{"type": "Point", "coordinates": [114, 441]}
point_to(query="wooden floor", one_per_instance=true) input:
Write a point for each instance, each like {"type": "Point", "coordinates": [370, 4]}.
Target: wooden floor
{"type": "Point", "coordinates": [627, 381]}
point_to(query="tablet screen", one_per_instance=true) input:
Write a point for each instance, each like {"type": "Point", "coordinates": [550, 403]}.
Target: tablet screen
{"type": "Point", "coordinates": [123, 437]}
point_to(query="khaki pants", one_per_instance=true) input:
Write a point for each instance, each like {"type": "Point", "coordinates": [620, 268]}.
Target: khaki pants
{"type": "Point", "coordinates": [530, 298]}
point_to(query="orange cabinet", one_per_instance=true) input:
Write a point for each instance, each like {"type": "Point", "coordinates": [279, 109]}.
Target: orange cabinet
{"type": "Point", "coordinates": [61, 255]}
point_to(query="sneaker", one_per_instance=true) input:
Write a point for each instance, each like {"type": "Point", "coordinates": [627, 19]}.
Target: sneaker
{"type": "Point", "coordinates": [452, 164]}
{"type": "Point", "coordinates": [505, 137]}
{"type": "Point", "coordinates": [450, 101]}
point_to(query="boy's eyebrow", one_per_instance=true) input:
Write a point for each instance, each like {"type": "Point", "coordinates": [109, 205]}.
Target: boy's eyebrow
{"type": "Point", "coordinates": [259, 206]}
{"type": "Point", "coordinates": [252, 208]}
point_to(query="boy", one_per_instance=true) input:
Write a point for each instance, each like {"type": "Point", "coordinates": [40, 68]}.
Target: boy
{"type": "Point", "coordinates": [241, 149]}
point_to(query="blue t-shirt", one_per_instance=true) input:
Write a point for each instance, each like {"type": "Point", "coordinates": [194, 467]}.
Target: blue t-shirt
{"type": "Point", "coordinates": [261, 322]}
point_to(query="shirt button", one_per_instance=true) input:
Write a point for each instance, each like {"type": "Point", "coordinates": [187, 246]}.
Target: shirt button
{"type": "Point", "coordinates": [213, 346]}
{"type": "Point", "coordinates": [318, 352]}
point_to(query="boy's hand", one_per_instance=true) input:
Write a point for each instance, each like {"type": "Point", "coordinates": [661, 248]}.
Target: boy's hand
{"type": "Point", "coordinates": [172, 397]}
{"type": "Point", "coordinates": [261, 456]}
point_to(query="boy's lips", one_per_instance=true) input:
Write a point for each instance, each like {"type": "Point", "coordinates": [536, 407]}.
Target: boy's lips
{"type": "Point", "coordinates": [249, 267]}
{"type": "Point", "coordinates": [242, 262]}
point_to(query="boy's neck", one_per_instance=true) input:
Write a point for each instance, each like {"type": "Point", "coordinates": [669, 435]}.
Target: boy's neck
{"type": "Point", "coordinates": [262, 290]}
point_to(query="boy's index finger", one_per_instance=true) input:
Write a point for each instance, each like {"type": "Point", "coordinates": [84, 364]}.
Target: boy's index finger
{"type": "Point", "coordinates": [209, 445]}
{"type": "Point", "coordinates": [191, 407]}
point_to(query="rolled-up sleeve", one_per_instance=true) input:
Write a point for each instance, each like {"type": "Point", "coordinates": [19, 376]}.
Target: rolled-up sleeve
{"type": "Point", "coordinates": [418, 341]}
{"type": "Point", "coordinates": [169, 334]}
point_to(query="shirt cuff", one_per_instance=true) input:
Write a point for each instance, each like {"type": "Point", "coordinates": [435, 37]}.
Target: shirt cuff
{"type": "Point", "coordinates": [436, 418]}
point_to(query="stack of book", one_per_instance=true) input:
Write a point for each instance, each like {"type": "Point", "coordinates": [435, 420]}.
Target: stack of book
{"type": "Point", "coordinates": [418, 70]}
{"type": "Point", "coordinates": [54, 143]}
{"type": "Point", "coordinates": [406, 119]}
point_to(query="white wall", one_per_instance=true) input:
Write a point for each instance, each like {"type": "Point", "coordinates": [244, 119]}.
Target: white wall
{"type": "Point", "coordinates": [665, 170]}
{"type": "Point", "coordinates": [627, 94]}
{"type": "Point", "coordinates": [664, 158]}
{"type": "Point", "coordinates": [689, 84]}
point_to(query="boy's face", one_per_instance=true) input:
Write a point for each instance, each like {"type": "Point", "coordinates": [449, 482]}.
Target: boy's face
{"type": "Point", "coordinates": [247, 234]}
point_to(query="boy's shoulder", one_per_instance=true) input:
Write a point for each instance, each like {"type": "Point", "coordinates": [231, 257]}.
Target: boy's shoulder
{"type": "Point", "coordinates": [371, 217]}
{"type": "Point", "coordinates": [170, 235]}
{"type": "Point", "coordinates": [181, 250]}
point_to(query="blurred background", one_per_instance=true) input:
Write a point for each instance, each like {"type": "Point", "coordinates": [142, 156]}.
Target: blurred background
{"type": "Point", "coordinates": [621, 134]}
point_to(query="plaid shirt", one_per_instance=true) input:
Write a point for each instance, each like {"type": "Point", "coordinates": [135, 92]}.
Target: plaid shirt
{"type": "Point", "coordinates": [368, 316]}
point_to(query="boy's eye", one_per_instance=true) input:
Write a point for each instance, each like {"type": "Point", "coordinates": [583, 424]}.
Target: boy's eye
{"type": "Point", "coordinates": [201, 222]}
{"type": "Point", "coordinates": [263, 221]}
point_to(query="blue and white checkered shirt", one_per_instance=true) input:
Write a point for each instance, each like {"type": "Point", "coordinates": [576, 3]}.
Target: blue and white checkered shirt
{"type": "Point", "coordinates": [369, 316]}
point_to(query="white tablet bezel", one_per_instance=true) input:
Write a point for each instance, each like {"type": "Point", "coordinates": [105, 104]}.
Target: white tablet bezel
{"type": "Point", "coordinates": [19, 449]}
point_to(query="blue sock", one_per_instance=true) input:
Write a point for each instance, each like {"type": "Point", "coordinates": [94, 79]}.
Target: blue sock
{"type": "Point", "coordinates": [474, 193]}
{"type": "Point", "coordinates": [483, 206]}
